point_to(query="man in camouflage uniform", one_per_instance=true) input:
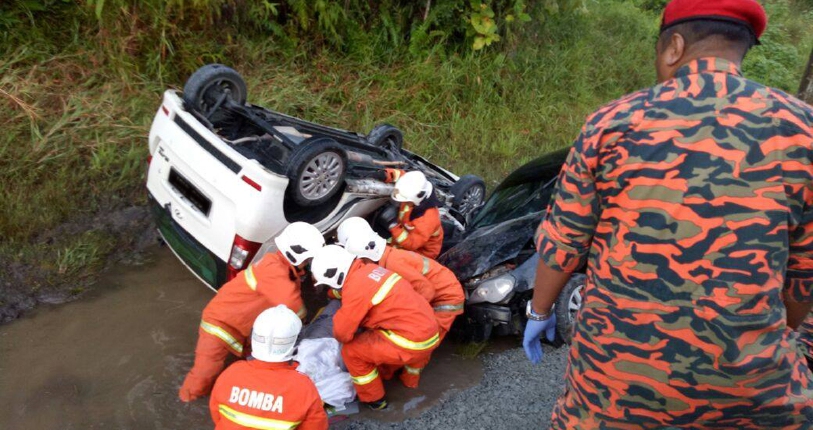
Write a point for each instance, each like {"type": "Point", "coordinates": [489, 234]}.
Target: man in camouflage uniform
{"type": "Point", "coordinates": [692, 204]}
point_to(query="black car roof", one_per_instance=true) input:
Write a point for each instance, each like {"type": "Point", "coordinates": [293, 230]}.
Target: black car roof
{"type": "Point", "coordinates": [543, 168]}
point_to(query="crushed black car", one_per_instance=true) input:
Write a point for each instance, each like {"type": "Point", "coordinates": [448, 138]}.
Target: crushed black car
{"type": "Point", "coordinates": [495, 258]}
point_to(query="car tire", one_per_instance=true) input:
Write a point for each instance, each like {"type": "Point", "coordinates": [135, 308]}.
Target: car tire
{"type": "Point", "coordinates": [208, 84]}
{"type": "Point", "coordinates": [469, 192]}
{"type": "Point", "coordinates": [568, 305]}
{"type": "Point", "coordinates": [386, 136]}
{"type": "Point", "coordinates": [316, 169]}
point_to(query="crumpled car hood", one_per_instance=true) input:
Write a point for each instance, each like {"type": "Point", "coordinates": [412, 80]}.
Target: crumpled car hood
{"type": "Point", "coordinates": [489, 246]}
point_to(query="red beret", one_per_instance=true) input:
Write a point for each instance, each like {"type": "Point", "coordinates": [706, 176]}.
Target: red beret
{"type": "Point", "coordinates": [746, 12]}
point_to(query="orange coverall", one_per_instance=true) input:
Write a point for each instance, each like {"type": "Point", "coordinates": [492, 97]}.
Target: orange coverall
{"type": "Point", "coordinates": [228, 318]}
{"type": "Point", "coordinates": [424, 233]}
{"type": "Point", "coordinates": [399, 327]}
{"type": "Point", "coordinates": [445, 294]}
{"type": "Point", "coordinates": [259, 395]}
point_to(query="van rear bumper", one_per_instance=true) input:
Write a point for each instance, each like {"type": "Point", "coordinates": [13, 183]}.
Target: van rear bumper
{"type": "Point", "coordinates": [211, 270]}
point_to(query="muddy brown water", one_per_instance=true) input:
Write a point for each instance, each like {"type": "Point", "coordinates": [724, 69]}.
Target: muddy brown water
{"type": "Point", "coordinates": [115, 359]}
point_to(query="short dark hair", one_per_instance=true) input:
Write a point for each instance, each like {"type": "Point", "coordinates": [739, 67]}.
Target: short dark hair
{"type": "Point", "coordinates": [737, 35]}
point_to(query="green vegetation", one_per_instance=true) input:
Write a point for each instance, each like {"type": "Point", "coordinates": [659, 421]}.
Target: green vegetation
{"type": "Point", "coordinates": [80, 82]}
{"type": "Point", "coordinates": [471, 350]}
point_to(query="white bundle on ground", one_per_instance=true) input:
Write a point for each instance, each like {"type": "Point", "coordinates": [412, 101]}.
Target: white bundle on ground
{"type": "Point", "coordinates": [319, 356]}
{"type": "Point", "coordinates": [321, 360]}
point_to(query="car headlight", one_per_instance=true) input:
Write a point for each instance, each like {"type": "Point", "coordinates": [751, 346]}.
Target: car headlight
{"type": "Point", "coordinates": [493, 290]}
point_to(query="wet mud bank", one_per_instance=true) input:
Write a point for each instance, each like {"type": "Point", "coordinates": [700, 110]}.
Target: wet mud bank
{"type": "Point", "coordinates": [41, 281]}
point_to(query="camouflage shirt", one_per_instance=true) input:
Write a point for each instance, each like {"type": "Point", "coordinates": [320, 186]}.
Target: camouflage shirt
{"type": "Point", "coordinates": [690, 202]}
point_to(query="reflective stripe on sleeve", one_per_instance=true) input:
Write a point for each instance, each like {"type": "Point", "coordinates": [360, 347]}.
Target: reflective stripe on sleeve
{"type": "Point", "coordinates": [251, 280]}
{"type": "Point", "coordinates": [365, 379]}
{"type": "Point", "coordinates": [385, 288]}
{"type": "Point", "coordinates": [437, 233]}
{"type": "Point", "coordinates": [255, 422]}
{"type": "Point", "coordinates": [425, 266]}
{"type": "Point", "coordinates": [222, 335]}
{"type": "Point", "coordinates": [402, 213]}
{"type": "Point", "coordinates": [448, 308]}
{"type": "Point", "coordinates": [413, 370]}
{"type": "Point", "coordinates": [408, 344]}
{"type": "Point", "coordinates": [303, 312]}
{"type": "Point", "coordinates": [402, 237]}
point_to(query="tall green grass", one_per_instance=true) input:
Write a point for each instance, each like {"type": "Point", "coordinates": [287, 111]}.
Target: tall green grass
{"type": "Point", "coordinates": [77, 98]}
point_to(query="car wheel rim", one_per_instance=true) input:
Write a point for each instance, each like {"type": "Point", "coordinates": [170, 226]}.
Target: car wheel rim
{"type": "Point", "coordinates": [321, 176]}
{"type": "Point", "coordinates": [471, 198]}
{"type": "Point", "coordinates": [575, 303]}
{"type": "Point", "coordinates": [214, 91]}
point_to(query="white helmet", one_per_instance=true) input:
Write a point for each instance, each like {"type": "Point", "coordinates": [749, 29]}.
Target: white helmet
{"type": "Point", "coordinates": [274, 335]}
{"type": "Point", "coordinates": [299, 241]}
{"type": "Point", "coordinates": [353, 226]}
{"type": "Point", "coordinates": [412, 187]}
{"type": "Point", "coordinates": [330, 266]}
{"type": "Point", "coordinates": [369, 245]}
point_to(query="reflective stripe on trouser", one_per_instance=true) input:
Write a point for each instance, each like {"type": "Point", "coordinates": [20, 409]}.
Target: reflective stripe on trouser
{"type": "Point", "coordinates": [368, 351]}
{"type": "Point", "coordinates": [411, 376]}
{"type": "Point", "coordinates": [224, 335]}
{"type": "Point", "coordinates": [405, 343]}
{"type": "Point", "coordinates": [445, 320]}
{"type": "Point", "coordinates": [255, 422]}
{"type": "Point", "coordinates": [210, 359]}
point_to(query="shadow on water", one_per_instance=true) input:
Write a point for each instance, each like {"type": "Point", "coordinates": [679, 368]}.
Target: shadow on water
{"type": "Point", "coordinates": [116, 358]}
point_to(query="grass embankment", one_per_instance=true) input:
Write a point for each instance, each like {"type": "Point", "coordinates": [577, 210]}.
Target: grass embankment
{"type": "Point", "coordinates": [75, 109]}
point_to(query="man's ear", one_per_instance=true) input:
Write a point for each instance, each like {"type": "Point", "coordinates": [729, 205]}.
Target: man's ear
{"type": "Point", "coordinates": [675, 49]}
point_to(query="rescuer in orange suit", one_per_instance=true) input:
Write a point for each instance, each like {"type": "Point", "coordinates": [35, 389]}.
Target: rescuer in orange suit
{"type": "Point", "coordinates": [415, 226]}
{"type": "Point", "coordinates": [227, 319]}
{"type": "Point", "coordinates": [437, 284]}
{"type": "Point", "coordinates": [268, 392]}
{"type": "Point", "coordinates": [398, 327]}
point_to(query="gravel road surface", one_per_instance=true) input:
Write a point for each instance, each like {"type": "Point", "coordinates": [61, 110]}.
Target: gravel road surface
{"type": "Point", "coordinates": [514, 394]}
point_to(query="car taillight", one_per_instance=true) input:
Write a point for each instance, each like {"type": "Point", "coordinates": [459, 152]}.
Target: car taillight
{"type": "Point", "coordinates": [242, 252]}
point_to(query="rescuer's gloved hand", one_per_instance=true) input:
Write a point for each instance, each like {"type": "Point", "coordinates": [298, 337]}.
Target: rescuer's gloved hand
{"type": "Point", "coordinates": [533, 330]}
{"type": "Point", "coordinates": [186, 394]}
{"type": "Point", "coordinates": [194, 388]}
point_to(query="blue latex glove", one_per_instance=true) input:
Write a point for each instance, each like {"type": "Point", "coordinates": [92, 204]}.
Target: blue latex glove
{"type": "Point", "coordinates": [533, 330]}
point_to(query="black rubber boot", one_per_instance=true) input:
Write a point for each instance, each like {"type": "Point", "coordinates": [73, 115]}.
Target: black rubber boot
{"type": "Point", "coordinates": [378, 405]}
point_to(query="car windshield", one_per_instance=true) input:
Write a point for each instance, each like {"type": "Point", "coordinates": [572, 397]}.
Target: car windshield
{"type": "Point", "coordinates": [515, 202]}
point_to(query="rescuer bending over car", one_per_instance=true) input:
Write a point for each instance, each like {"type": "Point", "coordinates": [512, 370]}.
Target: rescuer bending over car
{"type": "Point", "coordinates": [415, 225]}
{"type": "Point", "coordinates": [434, 282]}
{"type": "Point", "coordinates": [268, 392]}
{"type": "Point", "coordinates": [227, 319]}
{"type": "Point", "coordinates": [398, 325]}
